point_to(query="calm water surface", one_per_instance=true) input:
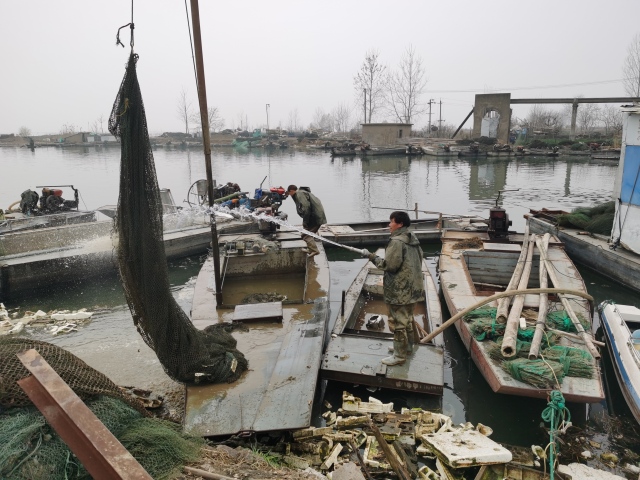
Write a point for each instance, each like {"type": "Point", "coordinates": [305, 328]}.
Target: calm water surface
{"type": "Point", "coordinates": [351, 190]}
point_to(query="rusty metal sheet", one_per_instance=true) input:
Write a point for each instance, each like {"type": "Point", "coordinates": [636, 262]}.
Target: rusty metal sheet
{"type": "Point", "coordinates": [100, 452]}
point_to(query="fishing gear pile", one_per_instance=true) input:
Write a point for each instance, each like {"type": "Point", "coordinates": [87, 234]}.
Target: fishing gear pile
{"type": "Point", "coordinates": [187, 354]}
{"type": "Point", "coordinates": [30, 449]}
{"type": "Point", "coordinates": [598, 219]}
{"type": "Point", "coordinates": [557, 361]}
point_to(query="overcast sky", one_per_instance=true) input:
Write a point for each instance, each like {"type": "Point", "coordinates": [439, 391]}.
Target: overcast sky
{"type": "Point", "coordinates": [60, 65]}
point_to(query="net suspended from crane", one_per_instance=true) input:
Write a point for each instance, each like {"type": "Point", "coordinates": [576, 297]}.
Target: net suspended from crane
{"type": "Point", "coordinates": [186, 353]}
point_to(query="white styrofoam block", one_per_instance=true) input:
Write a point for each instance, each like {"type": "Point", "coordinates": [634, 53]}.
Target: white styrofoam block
{"type": "Point", "coordinates": [466, 448]}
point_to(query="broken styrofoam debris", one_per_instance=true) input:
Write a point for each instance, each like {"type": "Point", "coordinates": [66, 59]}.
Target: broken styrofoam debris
{"type": "Point", "coordinates": [425, 473]}
{"type": "Point", "coordinates": [466, 448]}
{"type": "Point", "coordinates": [72, 316]}
{"type": "Point", "coordinates": [355, 404]}
{"type": "Point", "coordinates": [4, 315]}
{"type": "Point", "coordinates": [583, 472]}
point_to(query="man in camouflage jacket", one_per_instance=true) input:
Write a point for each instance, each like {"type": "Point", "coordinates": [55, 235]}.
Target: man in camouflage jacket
{"type": "Point", "coordinates": [403, 284]}
{"type": "Point", "coordinates": [310, 209]}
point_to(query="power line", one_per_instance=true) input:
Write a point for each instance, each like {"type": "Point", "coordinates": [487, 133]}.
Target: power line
{"type": "Point", "coordinates": [602, 82]}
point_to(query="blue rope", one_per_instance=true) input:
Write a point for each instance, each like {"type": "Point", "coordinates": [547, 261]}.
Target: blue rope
{"type": "Point", "coordinates": [554, 414]}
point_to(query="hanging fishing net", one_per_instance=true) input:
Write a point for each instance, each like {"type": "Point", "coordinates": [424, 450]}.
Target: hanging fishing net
{"type": "Point", "coordinates": [32, 450]}
{"type": "Point", "coordinates": [598, 219]}
{"type": "Point", "coordinates": [185, 352]}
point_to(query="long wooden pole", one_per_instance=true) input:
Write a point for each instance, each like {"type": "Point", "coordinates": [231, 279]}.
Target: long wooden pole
{"type": "Point", "coordinates": [498, 296]}
{"type": "Point", "coordinates": [206, 140]}
{"type": "Point", "coordinates": [397, 467]}
{"type": "Point", "coordinates": [534, 351]}
{"type": "Point", "coordinates": [508, 348]}
{"type": "Point", "coordinates": [503, 305]}
{"type": "Point", "coordinates": [565, 302]}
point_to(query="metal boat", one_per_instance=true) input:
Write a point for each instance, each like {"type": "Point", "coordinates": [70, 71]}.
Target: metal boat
{"type": "Point", "coordinates": [621, 324]}
{"type": "Point", "coordinates": [361, 338]}
{"type": "Point", "coordinates": [282, 337]}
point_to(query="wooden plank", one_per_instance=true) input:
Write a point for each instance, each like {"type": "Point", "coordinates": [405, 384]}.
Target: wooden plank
{"type": "Point", "coordinates": [258, 312]}
{"type": "Point", "coordinates": [501, 247]}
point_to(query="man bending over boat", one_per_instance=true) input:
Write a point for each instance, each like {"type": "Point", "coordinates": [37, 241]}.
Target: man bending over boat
{"type": "Point", "coordinates": [403, 284]}
{"type": "Point", "coordinates": [310, 209]}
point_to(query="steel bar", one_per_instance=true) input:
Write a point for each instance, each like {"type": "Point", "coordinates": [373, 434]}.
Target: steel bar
{"type": "Point", "coordinates": [100, 452]}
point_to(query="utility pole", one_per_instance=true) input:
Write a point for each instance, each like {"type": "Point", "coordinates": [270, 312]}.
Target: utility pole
{"type": "Point", "coordinates": [440, 119]}
{"type": "Point", "coordinates": [431, 101]}
{"type": "Point", "coordinates": [267, 108]}
{"type": "Point", "coordinates": [365, 106]}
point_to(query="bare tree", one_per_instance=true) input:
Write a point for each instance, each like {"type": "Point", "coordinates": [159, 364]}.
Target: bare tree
{"type": "Point", "coordinates": [183, 109]}
{"type": "Point", "coordinates": [405, 87]}
{"type": "Point", "coordinates": [370, 81]}
{"type": "Point", "coordinates": [631, 68]}
{"type": "Point", "coordinates": [67, 129]}
{"type": "Point", "coordinates": [322, 121]}
{"type": "Point", "coordinates": [543, 119]}
{"type": "Point", "coordinates": [293, 123]}
{"type": "Point", "coordinates": [24, 132]}
{"type": "Point", "coordinates": [342, 118]}
{"type": "Point", "coordinates": [588, 114]}
{"type": "Point", "coordinates": [611, 117]}
{"type": "Point", "coordinates": [216, 122]}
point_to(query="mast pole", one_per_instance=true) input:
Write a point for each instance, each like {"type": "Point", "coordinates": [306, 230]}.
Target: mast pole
{"type": "Point", "coordinates": [206, 140]}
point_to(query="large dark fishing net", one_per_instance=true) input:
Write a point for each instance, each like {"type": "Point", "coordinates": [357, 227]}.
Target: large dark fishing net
{"type": "Point", "coordinates": [185, 352]}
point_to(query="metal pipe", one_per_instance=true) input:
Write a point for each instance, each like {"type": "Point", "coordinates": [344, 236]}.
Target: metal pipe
{"type": "Point", "coordinates": [206, 140]}
{"type": "Point", "coordinates": [344, 294]}
{"type": "Point", "coordinates": [462, 124]}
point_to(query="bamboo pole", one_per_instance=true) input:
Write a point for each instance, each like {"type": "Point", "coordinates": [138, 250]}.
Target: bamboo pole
{"type": "Point", "coordinates": [534, 351]}
{"type": "Point", "coordinates": [565, 302]}
{"type": "Point", "coordinates": [503, 305]}
{"type": "Point", "coordinates": [498, 296]}
{"type": "Point", "coordinates": [511, 329]}
{"type": "Point", "coordinates": [205, 474]}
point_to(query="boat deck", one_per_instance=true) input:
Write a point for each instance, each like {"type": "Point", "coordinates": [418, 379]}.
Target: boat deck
{"type": "Point", "coordinates": [277, 391]}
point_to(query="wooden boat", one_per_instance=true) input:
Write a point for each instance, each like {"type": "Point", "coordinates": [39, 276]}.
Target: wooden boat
{"type": "Point", "coordinates": [361, 338]}
{"type": "Point", "coordinates": [513, 470]}
{"type": "Point", "coordinates": [603, 156]}
{"type": "Point", "coordinates": [621, 324]}
{"type": "Point", "coordinates": [343, 152]}
{"type": "Point", "coordinates": [428, 230]}
{"type": "Point", "coordinates": [374, 151]}
{"type": "Point", "coordinates": [439, 152]}
{"type": "Point", "coordinates": [591, 250]}
{"type": "Point", "coordinates": [471, 153]}
{"type": "Point", "coordinates": [470, 274]}
{"type": "Point", "coordinates": [541, 152]}
{"type": "Point", "coordinates": [282, 339]}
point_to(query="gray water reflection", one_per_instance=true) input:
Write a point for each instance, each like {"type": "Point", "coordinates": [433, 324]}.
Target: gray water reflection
{"type": "Point", "coordinates": [349, 190]}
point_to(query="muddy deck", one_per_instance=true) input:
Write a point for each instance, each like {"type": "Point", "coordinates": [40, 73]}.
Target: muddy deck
{"type": "Point", "coordinates": [469, 274]}
{"type": "Point", "coordinates": [361, 339]}
{"type": "Point", "coordinates": [284, 347]}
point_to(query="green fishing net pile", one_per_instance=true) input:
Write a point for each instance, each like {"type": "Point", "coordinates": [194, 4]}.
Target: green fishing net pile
{"type": "Point", "coordinates": [30, 449]}
{"type": "Point", "coordinates": [185, 353]}
{"type": "Point", "coordinates": [555, 362]}
{"type": "Point", "coordinates": [598, 219]}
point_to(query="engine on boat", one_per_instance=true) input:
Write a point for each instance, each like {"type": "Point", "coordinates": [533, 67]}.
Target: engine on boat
{"type": "Point", "coordinates": [51, 201]}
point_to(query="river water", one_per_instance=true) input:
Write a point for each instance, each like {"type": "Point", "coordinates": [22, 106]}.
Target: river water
{"type": "Point", "coordinates": [351, 189]}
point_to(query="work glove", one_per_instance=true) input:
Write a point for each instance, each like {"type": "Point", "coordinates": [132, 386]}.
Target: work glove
{"type": "Point", "coordinates": [365, 253]}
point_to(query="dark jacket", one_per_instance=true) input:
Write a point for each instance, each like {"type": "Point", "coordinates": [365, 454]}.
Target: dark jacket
{"type": "Point", "coordinates": [402, 265]}
{"type": "Point", "coordinates": [309, 208]}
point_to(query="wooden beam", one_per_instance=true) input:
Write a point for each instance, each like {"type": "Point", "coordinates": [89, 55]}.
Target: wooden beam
{"type": "Point", "coordinates": [100, 452]}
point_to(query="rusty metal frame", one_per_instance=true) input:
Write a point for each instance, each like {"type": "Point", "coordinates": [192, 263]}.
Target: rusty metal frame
{"type": "Point", "coordinates": [100, 452]}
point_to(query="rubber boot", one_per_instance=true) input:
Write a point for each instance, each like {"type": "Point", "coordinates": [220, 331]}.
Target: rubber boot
{"type": "Point", "coordinates": [411, 338]}
{"type": "Point", "coordinates": [400, 344]}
